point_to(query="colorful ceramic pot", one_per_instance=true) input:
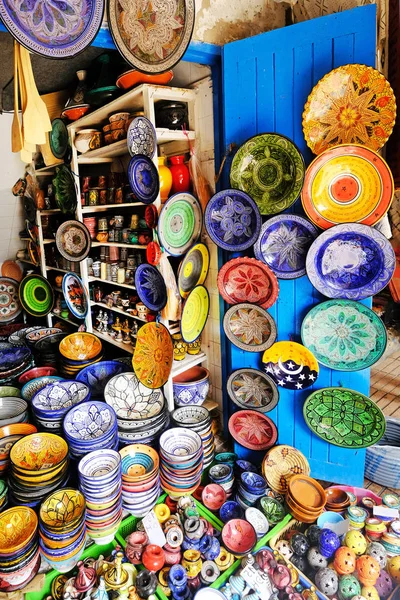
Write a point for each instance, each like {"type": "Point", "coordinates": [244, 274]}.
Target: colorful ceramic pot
{"type": "Point", "coordinates": [165, 176]}
{"type": "Point", "coordinates": [180, 174]}
{"type": "Point", "coordinates": [153, 558]}
{"type": "Point", "coordinates": [191, 387]}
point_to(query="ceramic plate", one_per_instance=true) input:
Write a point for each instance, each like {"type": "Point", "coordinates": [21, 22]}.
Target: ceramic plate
{"type": "Point", "coordinates": [75, 295]}
{"type": "Point", "coordinates": [347, 184]}
{"type": "Point", "coordinates": [10, 306]}
{"type": "Point", "coordinates": [350, 261]}
{"type": "Point", "coordinates": [344, 418]}
{"type": "Point", "coordinates": [351, 104]}
{"type": "Point", "coordinates": [141, 137]}
{"type": "Point", "coordinates": [143, 178]}
{"type": "Point", "coordinates": [253, 430]}
{"type": "Point", "coordinates": [249, 327]}
{"type": "Point", "coordinates": [232, 220]}
{"type": "Point", "coordinates": [195, 314]}
{"type": "Point", "coordinates": [150, 287]}
{"type": "Point", "coordinates": [180, 222]}
{"type": "Point", "coordinates": [73, 240]}
{"type": "Point", "coordinates": [283, 244]}
{"type": "Point", "coordinates": [344, 335]}
{"type": "Point", "coordinates": [193, 269]}
{"type": "Point", "coordinates": [11, 269]}
{"type": "Point", "coordinates": [291, 365]}
{"type": "Point", "coordinates": [270, 168]}
{"type": "Point", "coordinates": [153, 356]}
{"type": "Point", "coordinates": [250, 388]}
{"type": "Point", "coordinates": [33, 252]}
{"type": "Point", "coordinates": [152, 37]}
{"type": "Point", "coordinates": [248, 280]}
{"type": "Point", "coordinates": [58, 138]}
{"type": "Point", "coordinates": [131, 399]}
{"type": "Point", "coordinates": [280, 464]}
{"type": "Point", "coordinates": [36, 295]}
{"type": "Point", "coordinates": [65, 190]}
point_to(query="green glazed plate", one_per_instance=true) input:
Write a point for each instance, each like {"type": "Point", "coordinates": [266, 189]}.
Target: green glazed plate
{"type": "Point", "coordinates": [36, 295]}
{"type": "Point", "coordinates": [270, 168]}
{"type": "Point", "coordinates": [344, 335]}
{"type": "Point", "coordinates": [180, 222]}
{"type": "Point", "coordinates": [58, 138]}
{"type": "Point", "coordinates": [344, 418]}
{"type": "Point", "coordinates": [65, 190]}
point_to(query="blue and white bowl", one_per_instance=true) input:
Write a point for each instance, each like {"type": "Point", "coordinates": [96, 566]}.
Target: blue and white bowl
{"type": "Point", "coordinates": [180, 444]}
{"type": "Point", "coordinates": [55, 400]}
{"type": "Point", "coordinates": [191, 387]}
{"type": "Point", "coordinates": [90, 426]}
{"type": "Point", "coordinates": [97, 376]}
{"type": "Point", "coordinates": [35, 385]}
{"type": "Point", "coordinates": [100, 466]}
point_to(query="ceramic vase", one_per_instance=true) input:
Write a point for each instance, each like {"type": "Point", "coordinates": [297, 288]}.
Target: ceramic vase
{"type": "Point", "coordinates": [153, 558]}
{"type": "Point", "coordinates": [165, 176]}
{"type": "Point", "coordinates": [180, 174]}
{"type": "Point", "coordinates": [180, 347]}
{"type": "Point", "coordinates": [192, 563]}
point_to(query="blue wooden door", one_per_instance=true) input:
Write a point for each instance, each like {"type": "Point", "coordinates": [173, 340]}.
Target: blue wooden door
{"type": "Point", "coordinates": [266, 81]}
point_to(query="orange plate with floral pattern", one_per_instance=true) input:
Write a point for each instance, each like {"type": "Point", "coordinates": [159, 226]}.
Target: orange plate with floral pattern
{"type": "Point", "coordinates": [353, 104]}
{"type": "Point", "coordinates": [253, 430]}
{"type": "Point", "coordinates": [153, 356]}
{"type": "Point", "coordinates": [248, 280]}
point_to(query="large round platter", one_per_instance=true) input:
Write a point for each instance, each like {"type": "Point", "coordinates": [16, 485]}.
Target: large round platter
{"type": "Point", "coordinates": [10, 306]}
{"type": "Point", "coordinates": [253, 430]}
{"type": "Point", "coordinates": [150, 287]}
{"type": "Point", "coordinates": [36, 295]}
{"type": "Point", "coordinates": [65, 190]}
{"type": "Point", "coordinates": [75, 295]}
{"type": "Point", "coordinates": [141, 137]}
{"type": "Point", "coordinates": [131, 399]}
{"type": "Point", "coordinates": [290, 365]}
{"type": "Point", "coordinates": [280, 464]}
{"type": "Point", "coordinates": [58, 138]}
{"type": "Point", "coordinates": [193, 269]}
{"type": "Point", "coordinates": [283, 244]}
{"type": "Point", "coordinates": [344, 335]}
{"type": "Point", "coordinates": [153, 356]}
{"type": "Point", "coordinates": [248, 280]}
{"type": "Point", "coordinates": [344, 418]}
{"type": "Point", "coordinates": [73, 240]}
{"type": "Point", "coordinates": [249, 327]}
{"type": "Point", "coordinates": [179, 225]}
{"type": "Point", "coordinates": [195, 314]}
{"type": "Point", "coordinates": [232, 220]}
{"type": "Point", "coordinates": [270, 168]}
{"type": "Point", "coordinates": [351, 104]}
{"type": "Point", "coordinates": [143, 178]}
{"type": "Point", "coordinates": [152, 37]}
{"type": "Point", "coordinates": [350, 261]}
{"type": "Point", "coordinates": [252, 389]}
{"type": "Point", "coordinates": [347, 184]}
{"type": "Point", "coordinates": [49, 30]}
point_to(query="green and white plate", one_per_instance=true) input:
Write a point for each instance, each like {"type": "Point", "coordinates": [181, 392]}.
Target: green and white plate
{"type": "Point", "coordinates": [36, 295]}
{"type": "Point", "coordinates": [180, 223]}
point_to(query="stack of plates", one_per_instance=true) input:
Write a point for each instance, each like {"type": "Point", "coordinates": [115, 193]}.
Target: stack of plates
{"type": "Point", "coordinates": [90, 426]}
{"type": "Point", "coordinates": [51, 404]}
{"type": "Point", "coordinates": [34, 336]}
{"type": "Point", "coordinates": [13, 361]}
{"type": "Point", "coordinates": [305, 498]}
{"type": "Point", "coordinates": [197, 418]}
{"type": "Point", "coordinates": [18, 337]}
{"type": "Point", "coordinates": [382, 461]}
{"type": "Point", "coordinates": [252, 487]}
{"type": "Point", "coordinates": [181, 453]}
{"type": "Point", "coordinates": [45, 350]}
{"type": "Point", "coordinates": [140, 479]}
{"type": "Point", "coordinates": [78, 351]}
{"type": "Point", "coordinates": [13, 410]}
{"type": "Point", "coordinates": [9, 434]}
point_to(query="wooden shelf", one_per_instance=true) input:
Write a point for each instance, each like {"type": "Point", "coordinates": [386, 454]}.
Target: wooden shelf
{"type": "Point", "coordinates": [104, 207]}
{"type": "Point", "coordinates": [210, 405]}
{"type": "Point", "coordinates": [180, 366]}
{"type": "Point", "coordinates": [61, 270]}
{"type": "Point", "coordinates": [110, 340]}
{"type": "Point", "coordinates": [44, 171]}
{"type": "Point", "coordinates": [24, 239]}
{"type": "Point", "coordinates": [67, 320]}
{"type": "Point", "coordinates": [119, 245]}
{"type": "Point", "coordinates": [117, 310]}
{"type": "Point", "coordinates": [50, 211]}
{"type": "Point", "coordinates": [27, 261]}
{"type": "Point", "coordinates": [49, 241]}
{"type": "Point", "coordinates": [125, 285]}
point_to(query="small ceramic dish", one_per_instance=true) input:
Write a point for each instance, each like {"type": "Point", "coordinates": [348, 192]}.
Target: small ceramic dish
{"type": "Point", "coordinates": [89, 421]}
{"type": "Point", "coordinates": [80, 346]}
{"type": "Point", "coordinates": [238, 536]}
{"type": "Point", "coordinates": [12, 410]}
{"type": "Point", "coordinates": [35, 373]}
{"type": "Point", "coordinates": [213, 496]}
{"type": "Point", "coordinates": [230, 510]}
{"type": "Point", "coordinates": [307, 492]}
{"type": "Point", "coordinates": [62, 509]}
{"type": "Point", "coordinates": [120, 116]}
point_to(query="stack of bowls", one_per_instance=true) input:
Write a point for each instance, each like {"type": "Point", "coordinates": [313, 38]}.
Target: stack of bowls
{"type": "Point", "coordinates": [78, 351]}
{"type": "Point", "coordinates": [35, 373]}
{"type": "Point", "coordinates": [337, 500]}
{"type": "Point", "coordinates": [14, 360]}
{"type": "Point", "coordinates": [45, 350]}
{"type": "Point", "coordinates": [90, 426]}
{"type": "Point", "coordinates": [197, 418]}
{"type": "Point", "coordinates": [34, 385]}
{"type": "Point", "coordinates": [51, 404]}
{"type": "Point", "coordinates": [13, 410]}
{"type": "Point", "coordinates": [38, 334]}
{"type": "Point", "coordinates": [19, 548]}
{"type": "Point", "coordinates": [100, 482]}
{"type": "Point", "coordinates": [181, 464]}
{"type": "Point", "coordinates": [98, 375]}
{"type": "Point", "coordinates": [223, 476]}
{"type": "Point", "coordinates": [305, 498]}
{"type": "Point", "coordinates": [62, 529]}
{"type": "Point", "coordinates": [9, 434]}
{"type": "Point", "coordinates": [250, 489]}
{"type": "Point", "coordinates": [140, 479]}
{"type": "Point", "coordinates": [18, 337]}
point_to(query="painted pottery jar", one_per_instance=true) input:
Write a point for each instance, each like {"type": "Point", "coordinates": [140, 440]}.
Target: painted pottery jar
{"type": "Point", "coordinates": [192, 562]}
{"type": "Point", "coordinates": [165, 176]}
{"type": "Point", "coordinates": [153, 558]}
{"type": "Point", "coordinates": [180, 174]}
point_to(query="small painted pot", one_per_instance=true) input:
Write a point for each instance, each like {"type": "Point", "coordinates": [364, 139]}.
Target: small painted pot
{"type": "Point", "coordinates": [191, 387]}
{"type": "Point", "coordinates": [194, 347]}
{"type": "Point", "coordinates": [173, 556]}
{"type": "Point", "coordinates": [153, 558]}
{"type": "Point", "coordinates": [224, 560]}
{"type": "Point", "coordinates": [189, 544]}
{"type": "Point", "coordinates": [192, 562]}
{"type": "Point", "coordinates": [209, 547]}
{"type": "Point", "coordinates": [146, 583]}
{"type": "Point", "coordinates": [87, 139]}
{"type": "Point", "coordinates": [162, 512]}
{"type": "Point", "coordinates": [177, 578]}
{"type": "Point", "coordinates": [209, 572]}
{"type": "Point", "coordinates": [180, 347]}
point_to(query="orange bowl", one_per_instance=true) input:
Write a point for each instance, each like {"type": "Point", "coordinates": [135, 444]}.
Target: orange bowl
{"type": "Point", "coordinates": [18, 525]}
{"type": "Point", "coordinates": [75, 112]}
{"type": "Point", "coordinates": [129, 79]}
{"type": "Point", "coordinates": [38, 452]}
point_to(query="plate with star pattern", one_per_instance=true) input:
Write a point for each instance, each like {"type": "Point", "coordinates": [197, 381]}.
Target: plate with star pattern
{"type": "Point", "coordinates": [251, 388]}
{"type": "Point", "coordinates": [291, 365]}
{"type": "Point", "coordinates": [249, 327]}
{"type": "Point", "coordinates": [150, 287]}
{"type": "Point", "coordinates": [253, 430]}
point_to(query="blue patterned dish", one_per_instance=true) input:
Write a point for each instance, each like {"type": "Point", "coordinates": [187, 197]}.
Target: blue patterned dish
{"type": "Point", "coordinates": [98, 375]}
{"type": "Point", "coordinates": [230, 510]}
{"type": "Point", "coordinates": [150, 287]}
{"type": "Point", "coordinates": [75, 295]}
{"type": "Point", "coordinates": [141, 137]}
{"type": "Point", "coordinates": [90, 421]}
{"type": "Point", "coordinates": [252, 482]}
{"type": "Point", "coordinates": [57, 398]}
{"type": "Point", "coordinates": [143, 178]}
{"type": "Point", "coordinates": [12, 357]}
{"type": "Point", "coordinates": [32, 387]}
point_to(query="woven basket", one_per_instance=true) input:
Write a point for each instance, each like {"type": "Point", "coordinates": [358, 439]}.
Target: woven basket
{"type": "Point", "coordinates": [382, 461]}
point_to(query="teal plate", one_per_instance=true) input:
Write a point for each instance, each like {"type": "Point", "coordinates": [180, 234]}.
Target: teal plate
{"type": "Point", "coordinates": [344, 418]}
{"type": "Point", "coordinates": [344, 335]}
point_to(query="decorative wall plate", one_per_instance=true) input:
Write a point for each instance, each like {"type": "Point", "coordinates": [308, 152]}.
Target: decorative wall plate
{"type": "Point", "coordinates": [10, 306]}
{"type": "Point", "coordinates": [344, 335]}
{"type": "Point", "coordinates": [65, 190]}
{"type": "Point", "coordinates": [280, 464]}
{"type": "Point", "coordinates": [353, 104]}
{"type": "Point", "coordinates": [75, 295]}
{"type": "Point", "coordinates": [270, 168]}
{"type": "Point", "coordinates": [150, 287]}
{"type": "Point", "coordinates": [154, 355]}
{"type": "Point", "coordinates": [141, 137]}
{"type": "Point", "coordinates": [49, 29]}
{"type": "Point", "coordinates": [193, 269]}
{"type": "Point", "coordinates": [249, 327]}
{"type": "Point", "coordinates": [11, 269]}
{"type": "Point", "coordinates": [250, 388]}
{"type": "Point", "coordinates": [131, 399]}
{"type": "Point", "coordinates": [152, 37]}
{"type": "Point", "coordinates": [36, 295]}
{"type": "Point", "coordinates": [232, 220]}
{"type": "Point", "coordinates": [180, 222]}
{"type": "Point", "coordinates": [344, 418]}
{"type": "Point", "coordinates": [58, 138]}
{"type": "Point", "coordinates": [248, 280]}
{"type": "Point", "coordinates": [253, 430]}
{"type": "Point", "coordinates": [291, 365]}
{"type": "Point", "coordinates": [347, 184]}
{"type": "Point", "coordinates": [195, 314]}
{"type": "Point", "coordinates": [283, 244]}
{"type": "Point", "coordinates": [73, 240]}
{"type": "Point", "coordinates": [350, 261]}
{"type": "Point", "coordinates": [143, 178]}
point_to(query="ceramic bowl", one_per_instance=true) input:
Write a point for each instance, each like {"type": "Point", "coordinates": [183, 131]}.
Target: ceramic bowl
{"type": "Point", "coordinates": [139, 462]}
{"type": "Point", "coordinates": [33, 386]}
{"type": "Point", "coordinates": [12, 410]}
{"type": "Point", "coordinates": [191, 387]}
{"type": "Point", "coordinates": [97, 376]}
{"type": "Point", "coordinates": [57, 398]}
{"type": "Point", "coordinates": [80, 346]}
{"type": "Point", "coordinates": [10, 391]}
{"type": "Point", "coordinates": [35, 373]}
{"type": "Point", "coordinates": [132, 400]}
{"type": "Point", "coordinates": [252, 482]}
{"type": "Point", "coordinates": [18, 526]}
{"type": "Point", "coordinates": [9, 434]}
{"type": "Point", "coordinates": [19, 579]}
{"type": "Point", "coordinates": [213, 496]}
{"type": "Point", "coordinates": [327, 518]}
{"type": "Point", "coordinates": [62, 509]}
{"type": "Point", "coordinates": [66, 564]}
{"type": "Point", "coordinates": [34, 336]}
{"type": "Point", "coordinates": [230, 510]}
{"type": "Point", "coordinates": [238, 536]}
{"type": "Point", "coordinates": [120, 116]}
{"type": "Point", "coordinates": [11, 357]}
{"type": "Point", "coordinates": [258, 520]}
{"type": "Point", "coordinates": [38, 452]}
{"type": "Point", "coordinates": [90, 421]}
{"type": "Point", "coordinates": [180, 444]}
{"type": "Point", "coordinates": [130, 78]}
{"type": "Point", "coordinates": [75, 112]}
{"type": "Point", "coordinates": [272, 509]}
{"type": "Point", "coordinates": [99, 466]}
{"type": "Point", "coordinates": [67, 550]}
{"type": "Point", "coordinates": [220, 473]}
{"type": "Point", "coordinates": [336, 497]}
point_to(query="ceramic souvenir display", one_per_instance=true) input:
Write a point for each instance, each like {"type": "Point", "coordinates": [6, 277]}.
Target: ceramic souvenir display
{"type": "Point", "coordinates": [191, 386]}
{"type": "Point", "coordinates": [65, 190]}
{"type": "Point", "coordinates": [75, 295]}
{"type": "Point", "coordinates": [179, 224]}
{"type": "Point", "coordinates": [97, 376]}
{"type": "Point", "coordinates": [36, 295]}
{"type": "Point", "coordinates": [195, 313]}
{"type": "Point", "coordinates": [181, 461]}
{"type": "Point", "coordinates": [131, 78]}
{"type": "Point", "coordinates": [10, 306]}
{"type": "Point", "coordinates": [193, 269]}
{"type": "Point", "coordinates": [249, 327]}
{"type": "Point", "coordinates": [143, 178]}
{"type": "Point", "coordinates": [89, 426]}
{"type": "Point", "coordinates": [252, 430]}
{"type": "Point", "coordinates": [280, 464]}
{"type": "Point", "coordinates": [305, 498]}
{"type": "Point", "coordinates": [140, 478]}
{"type": "Point", "coordinates": [290, 365]}
{"type": "Point", "coordinates": [197, 418]}
{"type": "Point", "coordinates": [151, 287]}
{"type": "Point", "coordinates": [247, 280]}
{"type": "Point", "coordinates": [141, 137]}
{"type": "Point", "coordinates": [73, 240]}
{"type": "Point", "coordinates": [154, 355]}
{"type": "Point", "coordinates": [253, 389]}
{"type": "Point", "coordinates": [239, 537]}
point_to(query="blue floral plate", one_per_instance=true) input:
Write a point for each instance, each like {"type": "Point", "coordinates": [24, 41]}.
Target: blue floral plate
{"type": "Point", "coordinates": [12, 357]}
{"type": "Point", "coordinates": [150, 287]}
{"type": "Point", "coordinates": [98, 375]}
{"type": "Point", "coordinates": [143, 178]}
{"type": "Point", "coordinates": [141, 137]}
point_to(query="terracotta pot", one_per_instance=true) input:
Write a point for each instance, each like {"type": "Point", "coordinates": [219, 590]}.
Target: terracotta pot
{"type": "Point", "coordinates": [153, 558]}
{"type": "Point", "coordinates": [165, 178]}
{"type": "Point", "coordinates": [180, 174]}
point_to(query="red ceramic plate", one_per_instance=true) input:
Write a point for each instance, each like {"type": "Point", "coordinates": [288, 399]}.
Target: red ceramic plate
{"type": "Point", "coordinates": [248, 280]}
{"type": "Point", "coordinates": [253, 430]}
{"type": "Point", "coordinates": [128, 80]}
{"type": "Point", "coordinates": [73, 113]}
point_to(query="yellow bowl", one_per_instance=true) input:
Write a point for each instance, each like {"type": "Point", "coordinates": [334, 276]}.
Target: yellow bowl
{"type": "Point", "coordinates": [80, 346]}
{"type": "Point", "coordinates": [32, 481]}
{"type": "Point", "coordinates": [62, 509]}
{"type": "Point", "coordinates": [18, 525]}
{"type": "Point", "coordinates": [38, 452]}
{"type": "Point", "coordinates": [55, 545]}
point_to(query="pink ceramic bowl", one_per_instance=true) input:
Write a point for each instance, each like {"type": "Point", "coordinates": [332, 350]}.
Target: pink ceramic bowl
{"type": "Point", "coordinates": [213, 496]}
{"type": "Point", "coordinates": [238, 536]}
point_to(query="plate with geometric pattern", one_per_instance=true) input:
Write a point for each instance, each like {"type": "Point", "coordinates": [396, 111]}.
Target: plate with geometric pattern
{"type": "Point", "coordinates": [249, 327]}
{"type": "Point", "coordinates": [10, 306]}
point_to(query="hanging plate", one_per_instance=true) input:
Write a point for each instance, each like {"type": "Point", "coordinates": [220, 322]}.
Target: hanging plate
{"type": "Point", "coordinates": [153, 356]}
{"type": "Point", "coordinates": [283, 244]}
{"type": "Point", "coordinates": [193, 269]}
{"type": "Point", "coordinates": [179, 225]}
{"type": "Point", "coordinates": [344, 418]}
{"type": "Point", "coordinates": [280, 464]}
{"type": "Point", "coordinates": [65, 190]}
{"type": "Point", "coordinates": [151, 216]}
{"type": "Point", "coordinates": [33, 252]}
{"type": "Point", "coordinates": [152, 37]}
{"type": "Point", "coordinates": [291, 365]}
{"type": "Point", "coordinates": [11, 269]}
{"type": "Point", "coordinates": [10, 306]}
{"type": "Point", "coordinates": [75, 295]}
{"type": "Point", "coordinates": [143, 178]}
{"type": "Point", "coordinates": [270, 168]}
{"type": "Point", "coordinates": [353, 104]}
{"type": "Point", "coordinates": [73, 240]}
{"type": "Point", "coordinates": [58, 138]}
{"type": "Point", "coordinates": [141, 137]}
{"type": "Point", "coordinates": [250, 388]}
{"type": "Point", "coordinates": [36, 295]}
{"type": "Point", "coordinates": [253, 430]}
{"type": "Point", "coordinates": [248, 280]}
{"type": "Point", "coordinates": [195, 314]}
{"type": "Point", "coordinates": [344, 335]}
{"type": "Point", "coordinates": [249, 327]}
{"type": "Point", "coordinates": [350, 261]}
{"type": "Point", "coordinates": [150, 287]}
{"type": "Point", "coordinates": [347, 184]}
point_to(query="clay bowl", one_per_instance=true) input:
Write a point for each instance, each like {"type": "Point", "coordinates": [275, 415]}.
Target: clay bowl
{"type": "Point", "coordinates": [336, 497]}
{"type": "Point", "coordinates": [139, 463]}
{"type": "Point", "coordinates": [213, 496]}
{"type": "Point", "coordinates": [38, 452]}
{"type": "Point", "coordinates": [239, 537]}
{"type": "Point", "coordinates": [306, 492]}
{"type": "Point", "coordinates": [18, 580]}
{"type": "Point", "coordinates": [18, 526]}
{"type": "Point", "coordinates": [9, 434]}
{"type": "Point", "coordinates": [35, 373]}
{"type": "Point", "coordinates": [75, 112]}
{"type": "Point", "coordinates": [295, 508]}
{"type": "Point", "coordinates": [130, 78]}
